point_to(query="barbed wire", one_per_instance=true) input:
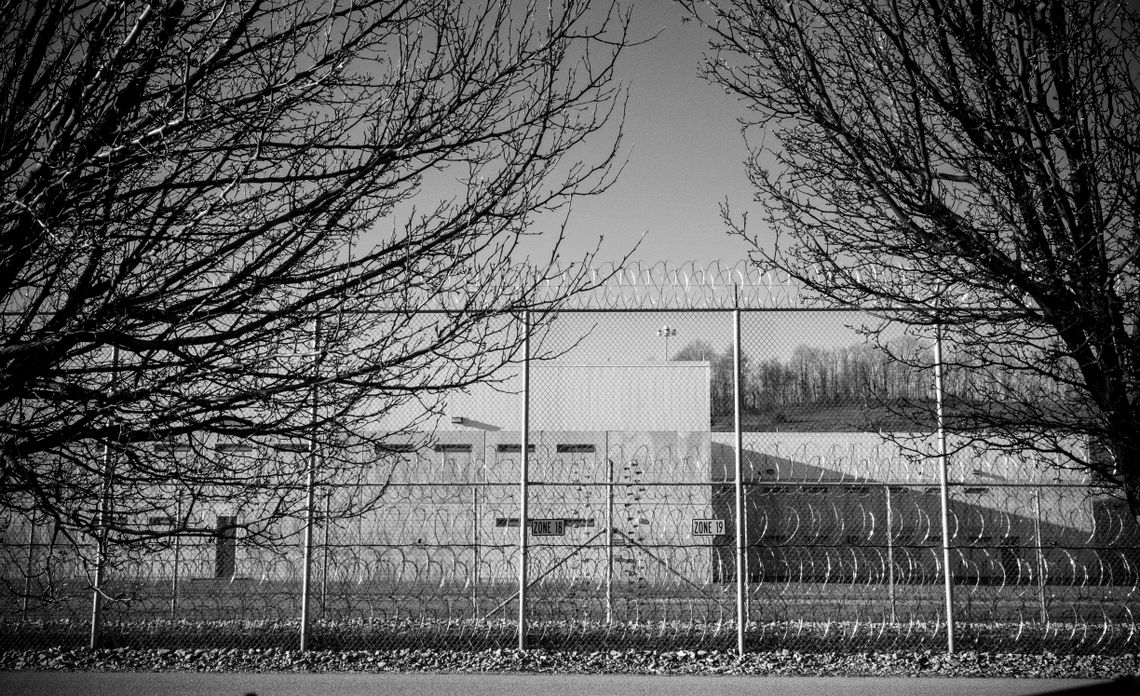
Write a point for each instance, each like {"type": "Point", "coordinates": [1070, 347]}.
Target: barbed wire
{"type": "Point", "coordinates": [718, 285]}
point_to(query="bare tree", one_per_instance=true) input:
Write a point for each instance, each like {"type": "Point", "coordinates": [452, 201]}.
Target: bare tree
{"type": "Point", "coordinates": [237, 234]}
{"type": "Point", "coordinates": [974, 165]}
{"type": "Point", "coordinates": [720, 375]}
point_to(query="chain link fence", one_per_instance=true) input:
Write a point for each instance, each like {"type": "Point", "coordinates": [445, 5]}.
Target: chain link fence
{"type": "Point", "coordinates": [651, 478]}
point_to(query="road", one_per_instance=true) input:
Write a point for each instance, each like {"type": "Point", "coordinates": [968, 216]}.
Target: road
{"type": "Point", "coordinates": [305, 684]}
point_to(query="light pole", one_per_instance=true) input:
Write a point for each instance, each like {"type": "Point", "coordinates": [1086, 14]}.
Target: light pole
{"type": "Point", "coordinates": [665, 332]}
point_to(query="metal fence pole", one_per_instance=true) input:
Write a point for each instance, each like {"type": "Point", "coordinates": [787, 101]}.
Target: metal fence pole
{"type": "Point", "coordinates": [1040, 555]}
{"type": "Point", "coordinates": [890, 555]}
{"type": "Point", "coordinates": [947, 571]}
{"type": "Point", "coordinates": [609, 533]}
{"type": "Point", "coordinates": [524, 463]}
{"type": "Point", "coordinates": [28, 568]}
{"type": "Point", "coordinates": [475, 547]}
{"type": "Point", "coordinates": [310, 473]}
{"type": "Point", "coordinates": [741, 617]}
{"type": "Point", "coordinates": [307, 562]}
{"type": "Point", "coordinates": [747, 561]}
{"type": "Point", "coordinates": [104, 515]}
{"type": "Point", "coordinates": [325, 550]}
{"type": "Point", "coordinates": [100, 561]}
{"type": "Point", "coordinates": [480, 476]}
{"type": "Point", "coordinates": [177, 559]}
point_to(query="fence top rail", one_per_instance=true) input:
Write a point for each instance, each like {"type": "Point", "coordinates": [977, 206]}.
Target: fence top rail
{"type": "Point", "coordinates": [862, 484]}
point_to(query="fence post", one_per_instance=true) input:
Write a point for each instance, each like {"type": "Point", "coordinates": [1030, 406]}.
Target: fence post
{"type": "Point", "coordinates": [100, 558]}
{"type": "Point", "coordinates": [177, 557]}
{"type": "Point", "coordinates": [104, 514]}
{"type": "Point", "coordinates": [307, 561]}
{"type": "Point", "coordinates": [947, 571]}
{"type": "Point", "coordinates": [325, 550]}
{"type": "Point", "coordinates": [524, 463]}
{"type": "Point", "coordinates": [741, 615]}
{"type": "Point", "coordinates": [28, 568]}
{"type": "Point", "coordinates": [890, 555]}
{"type": "Point", "coordinates": [609, 533]}
{"type": "Point", "coordinates": [475, 547]}
{"type": "Point", "coordinates": [1040, 555]}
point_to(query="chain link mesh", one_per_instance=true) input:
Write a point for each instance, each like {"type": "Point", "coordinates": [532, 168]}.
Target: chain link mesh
{"type": "Point", "coordinates": [630, 532]}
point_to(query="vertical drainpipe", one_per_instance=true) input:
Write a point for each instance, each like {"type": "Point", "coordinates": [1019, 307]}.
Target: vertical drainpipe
{"type": "Point", "coordinates": [948, 571]}
{"type": "Point", "coordinates": [524, 463]}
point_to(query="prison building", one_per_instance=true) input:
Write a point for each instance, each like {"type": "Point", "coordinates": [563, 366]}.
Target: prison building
{"type": "Point", "coordinates": [618, 460]}
{"type": "Point", "coordinates": [621, 463]}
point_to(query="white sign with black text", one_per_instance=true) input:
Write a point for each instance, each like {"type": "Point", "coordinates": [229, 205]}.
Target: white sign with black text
{"type": "Point", "coordinates": [548, 527]}
{"type": "Point", "coordinates": [708, 527]}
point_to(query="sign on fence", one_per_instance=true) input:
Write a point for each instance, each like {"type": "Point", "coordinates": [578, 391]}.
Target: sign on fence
{"type": "Point", "coordinates": [548, 527]}
{"type": "Point", "coordinates": [708, 527]}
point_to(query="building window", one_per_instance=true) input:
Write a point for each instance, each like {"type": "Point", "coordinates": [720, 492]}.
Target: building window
{"type": "Point", "coordinates": [286, 446]}
{"type": "Point", "coordinates": [172, 446]}
{"type": "Point", "coordinates": [513, 449]}
{"type": "Point", "coordinates": [234, 447]}
{"type": "Point", "coordinates": [576, 449]}
{"type": "Point", "coordinates": [506, 521]}
{"type": "Point", "coordinates": [452, 449]}
{"type": "Point", "coordinates": [117, 519]}
{"type": "Point", "coordinates": [383, 448]}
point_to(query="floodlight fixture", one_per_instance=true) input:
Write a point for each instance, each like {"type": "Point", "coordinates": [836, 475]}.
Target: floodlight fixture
{"type": "Point", "coordinates": [666, 331]}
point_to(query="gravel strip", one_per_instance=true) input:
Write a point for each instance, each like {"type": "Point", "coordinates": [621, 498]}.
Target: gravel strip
{"type": "Point", "coordinates": [781, 662]}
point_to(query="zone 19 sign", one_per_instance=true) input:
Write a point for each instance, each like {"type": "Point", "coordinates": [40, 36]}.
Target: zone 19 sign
{"type": "Point", "coordinates": [708, 527]}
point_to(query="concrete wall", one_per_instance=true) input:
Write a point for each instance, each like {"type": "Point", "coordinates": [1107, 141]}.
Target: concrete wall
{"type": "Point", "coordinates": [449, 513]}
{"type": "Point", "coordinates": [649, 397]}
{"type": "Point", "coordinates": [445, 502]}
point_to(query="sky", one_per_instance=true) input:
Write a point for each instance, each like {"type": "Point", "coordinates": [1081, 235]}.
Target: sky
{"type": "Point", "coordinates": [684, 153]}
{"type": "Point", "coordinates": [685, 156]}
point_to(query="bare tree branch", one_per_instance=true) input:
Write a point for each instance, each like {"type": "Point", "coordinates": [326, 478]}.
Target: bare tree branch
{"type": "Point", "coordinates": [261, 205]}
{"type": "Point", "coordinates": [972, 164]}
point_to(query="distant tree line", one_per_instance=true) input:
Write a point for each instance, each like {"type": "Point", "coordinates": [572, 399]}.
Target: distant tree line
{"type": "Point", "coordinates": [899, 372]}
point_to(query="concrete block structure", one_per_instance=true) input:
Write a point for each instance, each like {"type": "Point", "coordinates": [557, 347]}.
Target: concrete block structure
{"type": "Point", "coordinates": [618, 455]}
{"type": "Point", "coordinates": [622, 460]}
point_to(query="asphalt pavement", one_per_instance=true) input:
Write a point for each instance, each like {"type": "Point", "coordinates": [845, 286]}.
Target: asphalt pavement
{"type": "Point", "coordinates": [305, 684]}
